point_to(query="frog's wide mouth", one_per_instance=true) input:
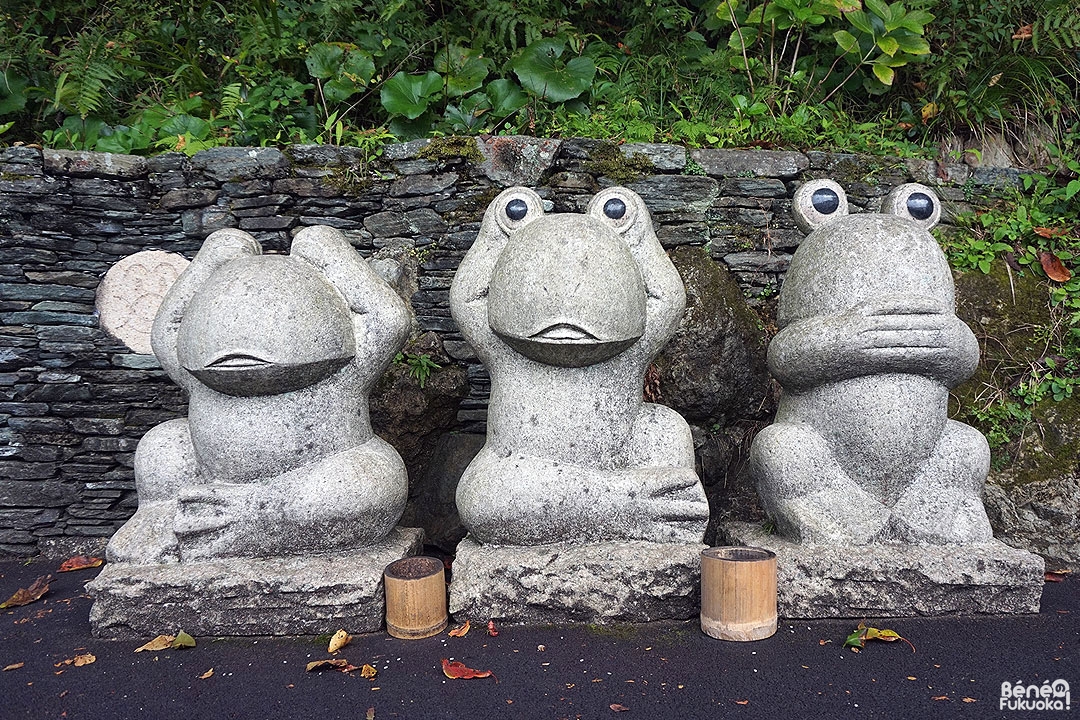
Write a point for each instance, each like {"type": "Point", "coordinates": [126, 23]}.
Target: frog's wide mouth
{"type": "Point", "coordinates": [237, 361]}
{"type": "Point", "coordinates": [565, 333]}
{"type": "Point", "coordinates": [244, 374]}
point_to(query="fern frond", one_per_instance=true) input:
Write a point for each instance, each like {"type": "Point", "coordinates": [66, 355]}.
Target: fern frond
{"type": "Point", "coordinates": [87, 71]}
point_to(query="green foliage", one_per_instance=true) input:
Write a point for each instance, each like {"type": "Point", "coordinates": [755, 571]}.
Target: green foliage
{"type": "Point", "coordinates": [420, 365]}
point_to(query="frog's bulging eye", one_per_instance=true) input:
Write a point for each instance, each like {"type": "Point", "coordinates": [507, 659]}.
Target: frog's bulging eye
{"type": "Point", "coordinates": [913, 202]}
{"type": "Point", "coordinates": [517, 209]}
{"type": "Point", "coordinates": [825, 201]}
{"type": "Point", "coordinates": [615, 208]}
{"type": "Point", "coordinates": [817, 203]}
{"type": "Point", "coordinates": [920, 205]}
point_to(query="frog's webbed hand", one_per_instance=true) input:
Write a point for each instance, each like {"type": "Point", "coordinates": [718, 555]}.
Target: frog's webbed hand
{"type": "Point", "coordinates": [380, 318]}
{"type": "Point", "coordinates": [512, 209]}
{"type": "Point", "coordinates": [903, 334]}
{"type": "Point", "coordinates": [665, 298]}
{"type": "Point", "coordinates": [218, 249]}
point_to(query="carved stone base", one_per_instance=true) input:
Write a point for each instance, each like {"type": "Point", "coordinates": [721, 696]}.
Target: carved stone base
{"type": "Point", "coordinates": [576, 583]}
{"type": "Point", "coordinates": [841, 581]}
{"type": "Point", "coordinates": [250, 596]}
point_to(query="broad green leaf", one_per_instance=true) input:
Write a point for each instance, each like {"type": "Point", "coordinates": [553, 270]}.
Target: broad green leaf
{"type": "Point", "coordinates": [742, 39]}
{"type": "Point", "coordinates": [464, 69]}
{"type": "Point", "coordinates": [1071, 189]}
{"type": "Point", "coordinates": [506, 97]}
{"type": "Point", "coordinates": [912, 44]}
{"type": "Point", "coordinates": [323, 60]}
{"type": "Point", "coordinates": [846, 41]}
{"type": "Point", "coordinates": [339, 90]}
{"type": "Point", "coordinates": [884, 73]}
{"type": "Point", "coordinates": [183, 640]}
{"type": "Point", "coordinates": [888, 45]}
{"type": "Point", "coordinates": [879, 8]}
{"type": "Point", "coordinates": [186, 125]}
{"type": "Point", "coordinates": [860, 21]}
{"type": "Point", "coordinates": [916, 21]}
{"type": "Point", "coordinates": [409, 95]}
{"type": "Point", "coordinates": [358, 67]}
{"type": "Point", "coordinates": [541, 70]}
{"type": "Point", "coordinates": [12, 92]}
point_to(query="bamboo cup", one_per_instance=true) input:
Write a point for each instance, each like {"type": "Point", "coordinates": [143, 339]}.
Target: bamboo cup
{"type": "Point", "coordinates": [738, 593]}
{"type": "Point", "coordinates": [415, 597]}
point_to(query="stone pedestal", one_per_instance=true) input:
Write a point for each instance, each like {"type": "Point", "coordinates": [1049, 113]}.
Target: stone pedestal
{"type": "Point", "coordinates": [625, 581]}
{"type": "Point", "coordinates": [866, 581]}
{"type": "Point", "coordinates": [250, 596]}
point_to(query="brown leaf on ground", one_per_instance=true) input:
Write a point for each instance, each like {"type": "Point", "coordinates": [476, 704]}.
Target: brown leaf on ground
{"type": "Point", "coordinates": [940, 697]}
{"type": "Point", "coordinates": [618, 708]}
{"type": "Point", "coordinates": [458, 671]}
{"type": "Point", "coordinates": [1054, 577]}
{"type": "Point", "coordinates": [742, 702]}
{"type": "Point", "coordinates": [970, 700]}
{"type": "Point", "coordinates": [25, 596]}
{"type": "Point", "coordinates": [208, 673]}
{"type": "Point", "coordinates": [368, 671]}
{"type": "Point", "coordinates": [80, 562]}
{"type": "Point", "coordinates": [1053, 267]}
{"type": "Point", "coordinates": [460, 631]}
{"type": "Point", "coordinates": [328, 664]}
{"type": "Point", "coordinates": [491, 628]}
{"type": "Point", "coordinates": [857, 640]}
{"type": "Point", "coordinates": [77, 661]}
{"type": "Point", "coordinates": [14, 666]}
{"type": "Point", "coordinates": [161, 642]}
{"type": "Point", "coordinates": [338, 641]}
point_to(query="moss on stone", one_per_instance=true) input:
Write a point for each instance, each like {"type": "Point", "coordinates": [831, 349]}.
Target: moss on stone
{"type": "Point", "coordinates": [451, 147]}
{"type": "Point", "coordinates": [608, 161]}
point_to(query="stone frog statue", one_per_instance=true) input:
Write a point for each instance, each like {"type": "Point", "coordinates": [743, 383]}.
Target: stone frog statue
{"type": "Point", "coordinates": [863, 450]}
{"type": "Point", "coordinates": [567, 311]}
{"type": "Point", "coordinates": [277, 354]}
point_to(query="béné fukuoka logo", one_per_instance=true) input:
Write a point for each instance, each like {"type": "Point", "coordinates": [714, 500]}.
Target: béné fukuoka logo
{"type": "Point", "coordinates": [1051, 695]}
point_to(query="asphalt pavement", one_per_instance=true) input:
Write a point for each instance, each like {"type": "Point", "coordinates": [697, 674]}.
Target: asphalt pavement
{"type": "Point", "coordinates": [666, 670]}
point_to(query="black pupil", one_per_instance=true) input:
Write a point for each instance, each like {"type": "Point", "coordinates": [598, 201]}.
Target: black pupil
{"type": "Point", "coordinates": [825, 201]}
{"type": "Point", "coordinates": [614, 208]}
{"type": "Point", "coordinates": [516, 209]}
{"type": "Point", "coordinates": [920, 205]}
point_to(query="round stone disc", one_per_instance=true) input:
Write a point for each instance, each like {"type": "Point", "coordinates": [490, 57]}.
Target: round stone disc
{"type": "Point", "coordinates": [131, 292]}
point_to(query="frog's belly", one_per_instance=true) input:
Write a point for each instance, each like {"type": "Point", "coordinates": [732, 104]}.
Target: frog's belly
{"type": "Point", "coordinates": [882, 429]}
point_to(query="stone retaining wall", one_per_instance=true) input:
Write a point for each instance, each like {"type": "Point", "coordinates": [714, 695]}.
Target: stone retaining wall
{"type": "Point", "coordinates": [74, 402]}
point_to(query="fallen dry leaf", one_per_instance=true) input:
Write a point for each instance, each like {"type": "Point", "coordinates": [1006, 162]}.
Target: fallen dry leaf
{"type": "Point", "coordinates": [208, 673]}
{"type": "Point", "coordinates": [77, 661]}
{"type": "Point", "coordinates": [161, 642]}
{"type": "Point", "coordinates": [457, 671]}
{"type": "Point", "coordinates": [491, 628]}
{"type": "Point", "coordinates": [182, 640]}
{"type": "Point", "coordinates": [1053, 267]}
{"type": "Point", "coordinates": [940, 697]}
{"type": "Point", "coordinates": [970, 700]}
{"type": "Point", "coordinates": [338, 641]}
{"type": "Point", "coordinates": [14, 666]}
{"type": "Point", "coordinates": [328, 664]}
{"type": "Point", "coordinates": [460, 631]}
{"type": "Point", "coordinates": [368, 671]}
{"type": "Point", "coordinates": [618, 708]}
{"type": "Point", "coordinates": [1054, 577]}
{"type": "Point", "coordinates": [25, 596]}
{"type": "Point", "coordinates": [80, 562]}
{"type": "Point", "coordinates": [742, 702]}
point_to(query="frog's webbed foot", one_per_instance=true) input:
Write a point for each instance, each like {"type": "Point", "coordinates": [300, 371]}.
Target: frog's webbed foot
{"type": "Point", "coordinates": [807, 493]}
{"type": "Point", "coordinates": [943, 505]}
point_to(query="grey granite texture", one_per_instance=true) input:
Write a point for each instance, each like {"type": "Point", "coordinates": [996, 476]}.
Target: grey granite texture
{"type": "Point", "coordinates": [276, 457]}
{"type": "Point", "coordinates": [566, 311]}
{"type": "Point", "coordinates": [605, 582]}
{"type": "Point", "coordinates": [863, 450]}
{"type": "Point", "coordinates": [897, 580]}
{"type": "Point", "coordinates": [309, 595]}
